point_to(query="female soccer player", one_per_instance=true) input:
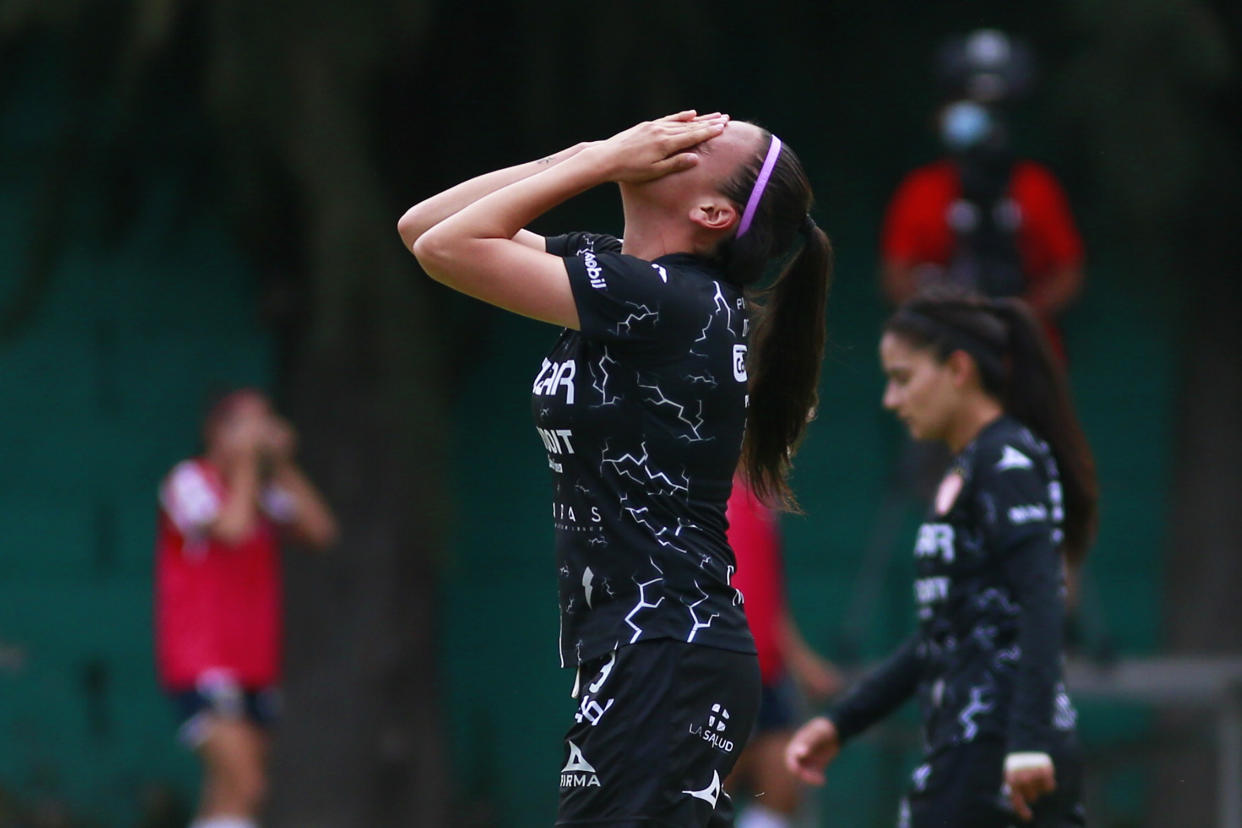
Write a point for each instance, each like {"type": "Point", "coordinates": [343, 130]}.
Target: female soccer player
{"type": "Point", "coordinates": [641, 405]}
{"type": "Point", "coordinates": [1016, 505]}
{"type": "Point", "coordinates": [218, 594]}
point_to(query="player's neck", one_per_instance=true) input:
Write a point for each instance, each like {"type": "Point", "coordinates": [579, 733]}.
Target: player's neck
{"type": "Point", "coordinates": [976, 414]}
{"type": "Point", "coordinates": [651, 233]}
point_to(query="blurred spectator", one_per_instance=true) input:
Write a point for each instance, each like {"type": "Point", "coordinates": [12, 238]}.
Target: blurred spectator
{"type": "Point", "coordinates": [981, 218]}
{"type": "Point", "coordinates": [786, 664]}
{"type": "Point", "coordinates": [218, 596]}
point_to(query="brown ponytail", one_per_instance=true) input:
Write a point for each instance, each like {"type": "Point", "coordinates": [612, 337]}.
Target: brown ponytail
{"type": "Point", "coordinates": [1016, 366]}
{"type": "Point", "coordinates": [1038, 396]}
{"type": "Point", "coordinates": [787, 343]}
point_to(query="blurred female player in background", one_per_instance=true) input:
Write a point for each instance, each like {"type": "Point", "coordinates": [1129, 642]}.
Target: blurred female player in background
{"type": "Point", "coordinates": [1016, 506]}
{"type": "Point", "coordinates": [218, 594]}
{"type": "Point", "coordinates": [641, 406]}
{"type": "Point", "coordinates": [787, 664]}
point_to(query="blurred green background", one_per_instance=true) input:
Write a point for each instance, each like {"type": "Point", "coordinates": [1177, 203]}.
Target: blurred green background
{"type": "Point", "coordinates": [203, 194]}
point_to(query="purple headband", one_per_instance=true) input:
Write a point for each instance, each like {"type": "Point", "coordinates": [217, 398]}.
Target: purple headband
{"type": "Point", "coordinates": [761, 183]}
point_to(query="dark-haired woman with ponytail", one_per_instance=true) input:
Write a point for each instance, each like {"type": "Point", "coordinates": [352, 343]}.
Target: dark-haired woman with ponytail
{"type": "Point", "coordinates": [1016, 506]}
{"type": "Point", "coordinates": [645, 404]}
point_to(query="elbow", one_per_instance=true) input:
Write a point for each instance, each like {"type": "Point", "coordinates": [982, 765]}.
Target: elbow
{"type": "Point", "coordinates": [325, 535]}
{"type": "Point", "coordinates": [434, 255]}
{"type": "Point", "coordinates": [410, 227]}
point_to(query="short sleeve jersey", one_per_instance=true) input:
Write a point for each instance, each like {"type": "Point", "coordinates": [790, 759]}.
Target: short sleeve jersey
{"type": "Point", "coordinates": [217, 606]}
{"type": "Point", "coordinates": [917, 229]}
{"type": "Point", "coordinates": [641, 412]}
{"type": "Point", "coordinates": [1002, 494]}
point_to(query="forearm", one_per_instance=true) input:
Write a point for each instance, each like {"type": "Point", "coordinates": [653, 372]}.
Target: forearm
{"type": "Point", "coordinates": [501, 213]}
{"type": "Point", "coordinates": [1035, 573]}
{"type": "Point", "coordinates": [430, 212]}
{"type": "Point", "coordinates": [880, 693]}
{"type": "Point", "coordinates": [313, 520]}
{"type": "Point", "coordinates": [475, 246]}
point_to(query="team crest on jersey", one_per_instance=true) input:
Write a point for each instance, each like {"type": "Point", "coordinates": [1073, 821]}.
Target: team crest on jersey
{"type": "Point", "coordinates": [950, 488]}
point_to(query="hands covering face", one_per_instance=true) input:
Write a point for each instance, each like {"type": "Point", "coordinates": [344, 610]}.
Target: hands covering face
{"type": "Point", "coordinates": [654, 149]}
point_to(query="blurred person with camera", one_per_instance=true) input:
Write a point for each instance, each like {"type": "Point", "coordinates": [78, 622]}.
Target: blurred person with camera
{"type": "Point", "coordinates": [981, 218]}
{"type": "Point", "coordinates": [218, 594]}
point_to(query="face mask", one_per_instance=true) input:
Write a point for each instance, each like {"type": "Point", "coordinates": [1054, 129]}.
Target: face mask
{"type": "Point", "coordinates": [964, 125]}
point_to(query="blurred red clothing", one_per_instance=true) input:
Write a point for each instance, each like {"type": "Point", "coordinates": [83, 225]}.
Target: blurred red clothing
{"type": "Point", "coordinates": [754, 535]}
{"type": "Point", "coordinates": [917, 231]}
{"type": "Point", "coordinates": [217, 607]}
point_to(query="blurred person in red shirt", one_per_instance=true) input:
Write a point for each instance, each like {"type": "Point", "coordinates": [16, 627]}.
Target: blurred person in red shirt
{"type": "Point", "coordinates": [218, 594]}
{"type": "Point", "coordinates": [981, 218]}
{"type": "Point", "coordinates": [787, 663]}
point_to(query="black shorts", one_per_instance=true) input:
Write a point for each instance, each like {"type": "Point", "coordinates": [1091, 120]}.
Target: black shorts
{"type": "Point", "coordinates": [658, 727]}
{"type": "Point", "coordinates": [962, 787]}
{"type": "Point", "coordinates": [217, 697]}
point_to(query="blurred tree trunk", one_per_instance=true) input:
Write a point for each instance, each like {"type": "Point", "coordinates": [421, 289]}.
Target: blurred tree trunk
{"type": "Point", "coordinates": [293, 90]}
{"type": "Point", "coordinates": [362, 744]}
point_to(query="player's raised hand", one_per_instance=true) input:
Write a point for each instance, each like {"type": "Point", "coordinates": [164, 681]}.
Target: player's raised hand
{"type": "Point", "coordinates": [653, 149]}
{"type": "Point", "coordinates": [811, 749]}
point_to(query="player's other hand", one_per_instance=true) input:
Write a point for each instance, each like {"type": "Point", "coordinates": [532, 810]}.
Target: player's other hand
{"type": "Point", "coordinates": [1027, 778]}
{"type": "Point", "coordinates": [654, 149]}
{"type": "Point", "coordinates": [811, 749]}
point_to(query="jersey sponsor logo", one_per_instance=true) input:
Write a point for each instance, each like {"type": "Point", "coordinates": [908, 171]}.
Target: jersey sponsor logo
{"type": "Point", "coordinates": [1013, 459]}
{"type": "Point", "coordinates": [932, 590]}
{"type": "Point", "coordinates": [1030, 513]}
{"type": "Point", "coordinates": [946, 494]}
{"type": "Point", "coordinates": [711, 793]}
{"type": "Point", "coordinates": [595, 274]}
{"type": "Point", "coordinates": [553, 376]}
{"type": "Point", "coordinates": [565, 512]}
{"type": "Point", "coordinates": [558, 441]}
{"type": "Point", "coordinates": [935, 539]}
{"type": "Point", "coordinates": [739, 363]}
{"type": "Point", "coordinates": [578, 772]}
{"type": "Point", "coordinates": [713, 733]}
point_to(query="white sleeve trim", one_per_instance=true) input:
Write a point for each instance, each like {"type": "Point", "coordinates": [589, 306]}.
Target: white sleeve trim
{"type": "Point", "coordinates": [1027, 761]}
{"type": "Point", "coordinates": [190, 501]}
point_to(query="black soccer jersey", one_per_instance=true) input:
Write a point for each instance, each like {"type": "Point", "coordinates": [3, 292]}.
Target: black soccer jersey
{"type": "Point", "coordinates": [642, 413]}
{"type": "Point", "coordinates": [989, 595]}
